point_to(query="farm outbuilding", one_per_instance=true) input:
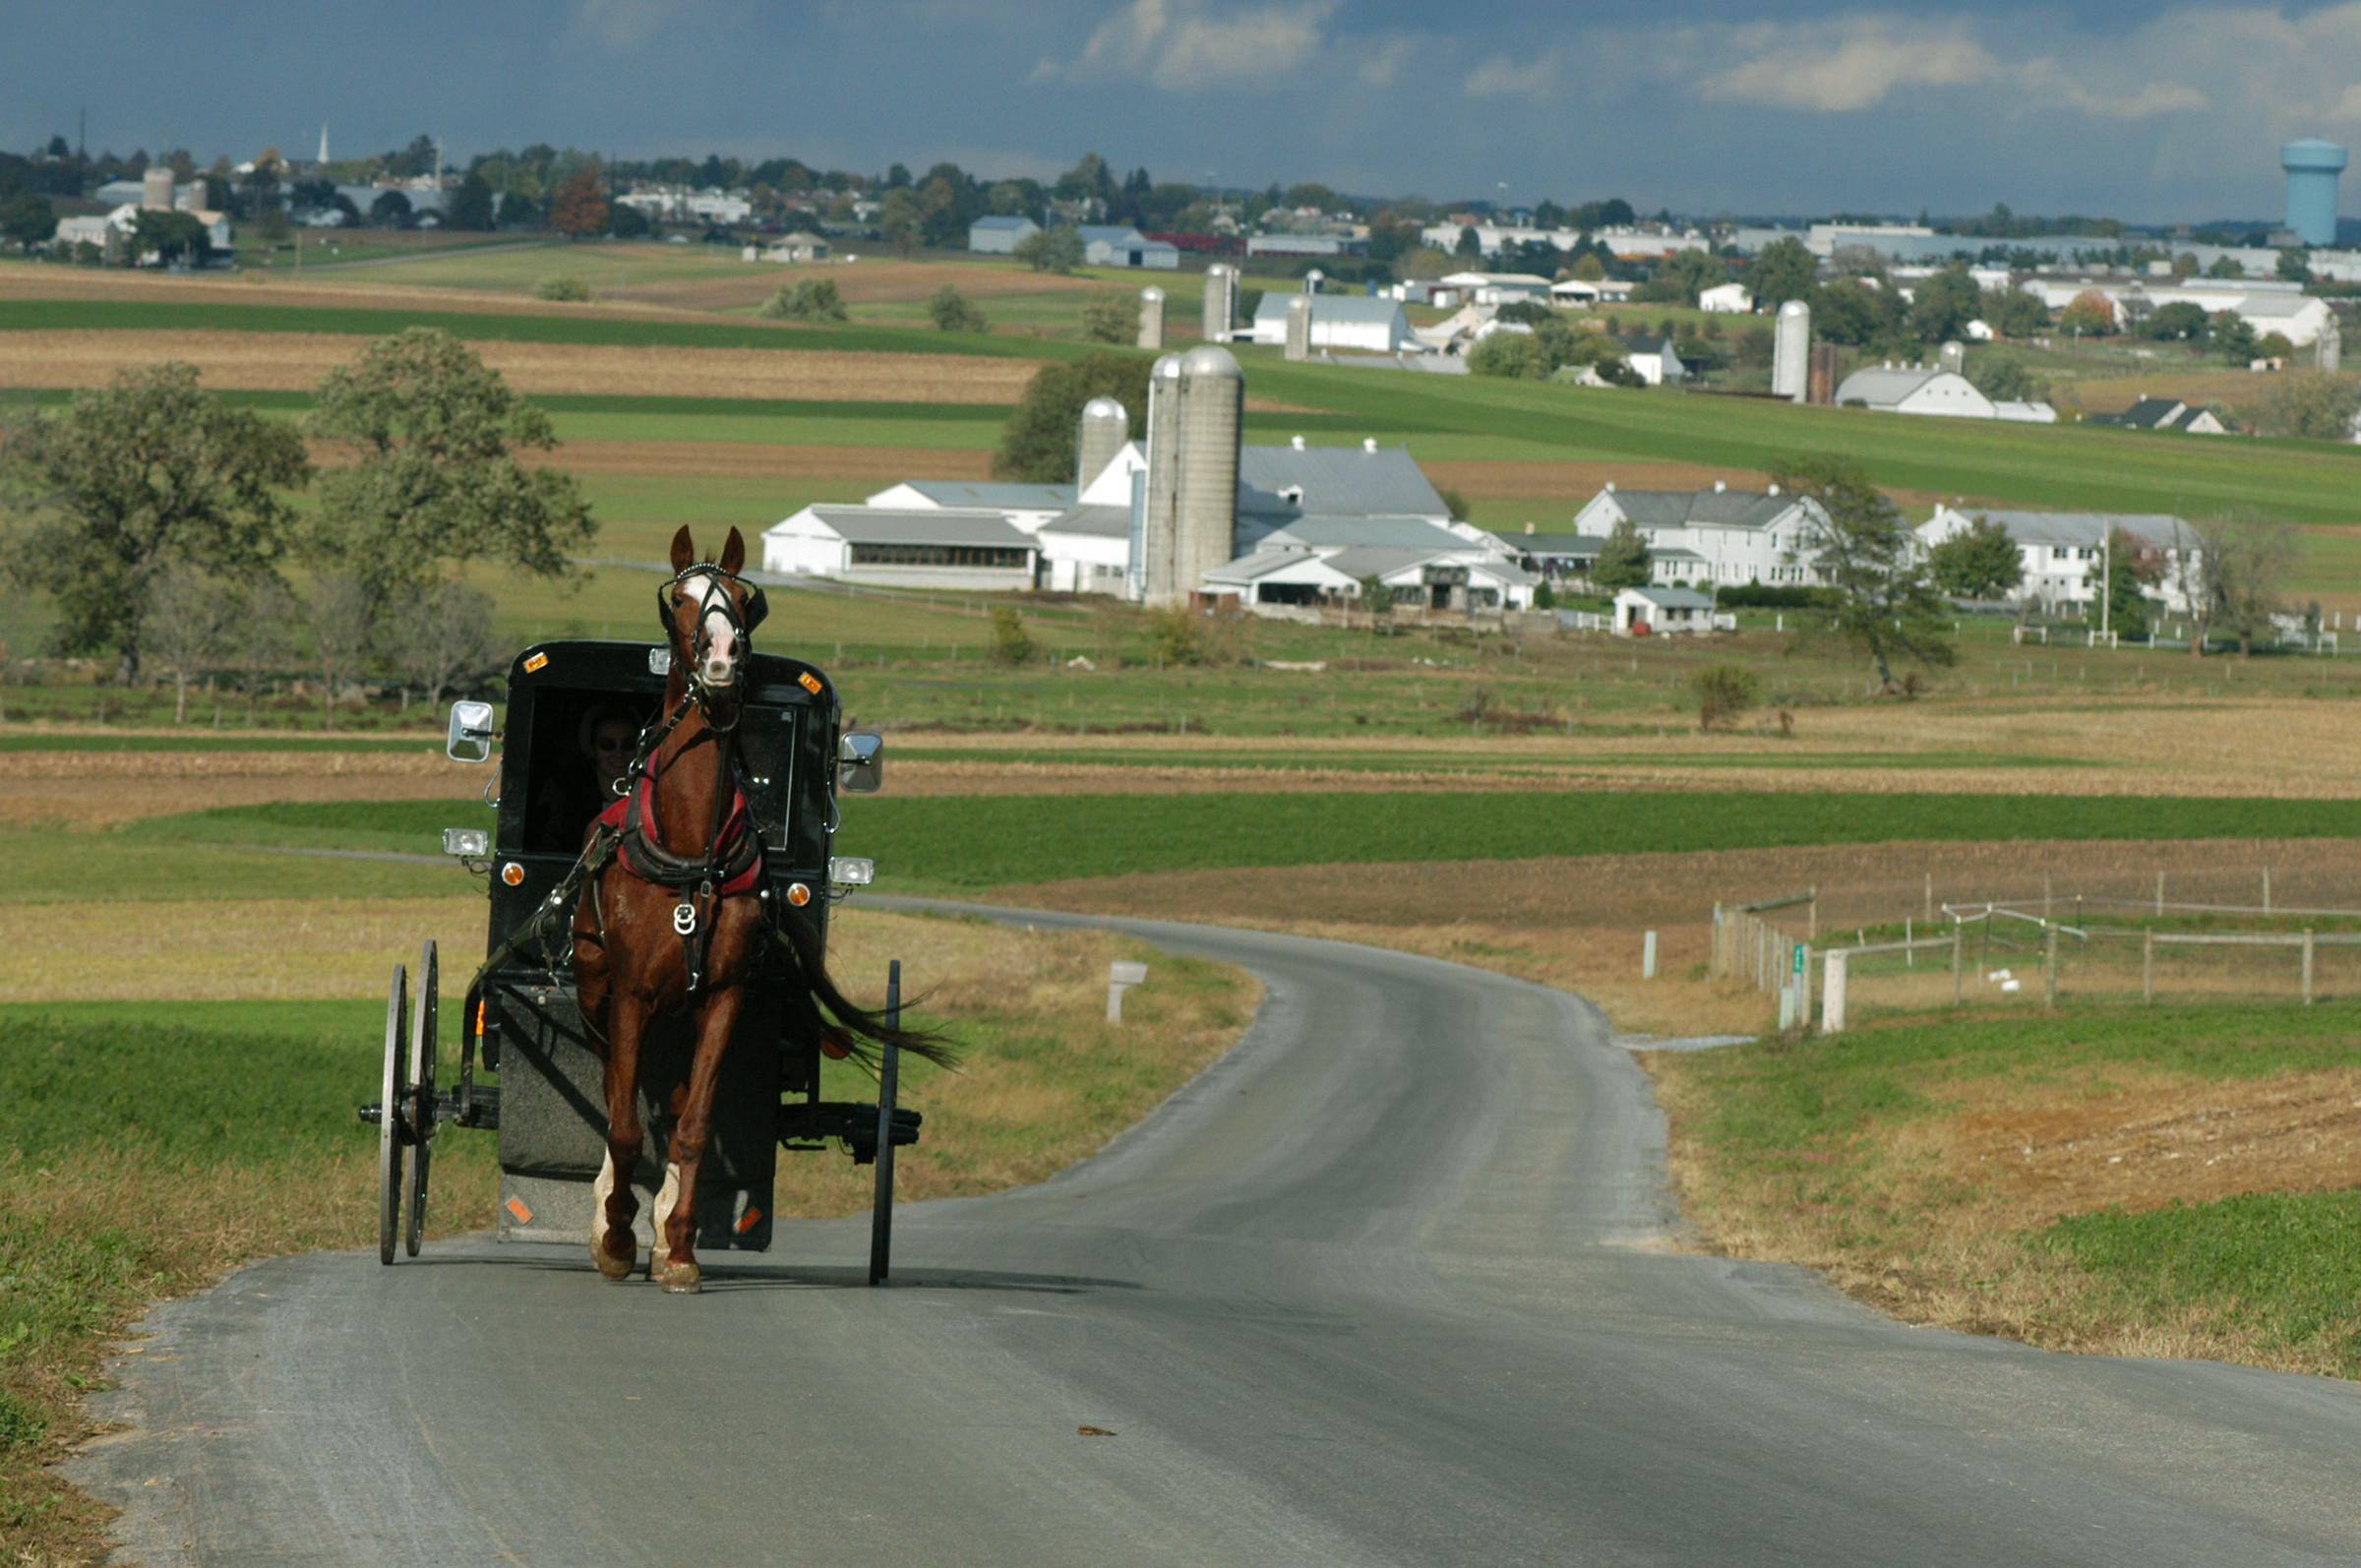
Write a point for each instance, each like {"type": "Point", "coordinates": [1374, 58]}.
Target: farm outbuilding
{"type": "Point", "coordinates": [1662, 612]}
{"type": "Point", "coordinates": [999, 236]}
{"type": "Point", "coordinates": [915, 549]}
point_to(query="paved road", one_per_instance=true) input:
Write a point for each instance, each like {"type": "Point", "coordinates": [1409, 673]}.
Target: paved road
{"type": "Point", "coordinates": [1389, 1284]}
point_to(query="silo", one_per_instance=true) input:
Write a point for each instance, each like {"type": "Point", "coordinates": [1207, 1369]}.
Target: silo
{"type": "Point", "coordinates": [1213, 401]}
{"type": "Point", "coordinates": [1791, 351]}
{"type": "Point", "coordinates": [156, 188]}
{"type": "Point", "coordinates": [1954, 357]}
{"type": "Point", "coordinates": [1151, 317]}
{"type": "Point", "coordinates": [1220, 302]}
{"type": "Point", "coordinates": [2311, 166]}
{"type": "Point", "coordinates": [1298, 327]}
{"type": "Point", "coordinates": [1104, 428]}
{"type": "Point", "coordinates": [1163, 468]}
{"type": "Point", "coordinates": [2328, 348]}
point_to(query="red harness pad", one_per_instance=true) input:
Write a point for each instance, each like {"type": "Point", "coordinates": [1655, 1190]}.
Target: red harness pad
{"type": "Point", "coordinates": [733, 828]}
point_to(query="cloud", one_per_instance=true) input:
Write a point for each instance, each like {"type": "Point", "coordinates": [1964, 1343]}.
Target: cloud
{"type": "Point", "coordinates": [619, 25]}
{"type": "Point", "coordinates": [1381, 66]}
{"type": "Point", "coordinates": [1503, 77]}
{"type": "Point", "coordinates": [1846, 65]}
{"type": "Point", "coordinates": [1178, 46]}
{"type": "Point", "coordinates": [2048, 85]}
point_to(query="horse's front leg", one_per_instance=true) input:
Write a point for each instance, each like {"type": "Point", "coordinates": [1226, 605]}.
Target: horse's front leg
{"type": "Point", "coordinates": [613, 1204]}
{"type": "Point", "coordinates": [674, 1264]}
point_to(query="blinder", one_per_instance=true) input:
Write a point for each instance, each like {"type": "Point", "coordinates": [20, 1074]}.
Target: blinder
{"type": "Point", "coordinates": [758, 603]}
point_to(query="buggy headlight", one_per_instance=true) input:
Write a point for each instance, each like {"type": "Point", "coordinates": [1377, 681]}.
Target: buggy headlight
{"type": "Point", "coordinates": [467, 843]}
{"type": "Point", "coordinates": [852, 870]}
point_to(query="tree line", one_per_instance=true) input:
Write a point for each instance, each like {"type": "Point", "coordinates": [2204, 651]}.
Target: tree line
{"type": "Point", "coordinates": [160, 520]}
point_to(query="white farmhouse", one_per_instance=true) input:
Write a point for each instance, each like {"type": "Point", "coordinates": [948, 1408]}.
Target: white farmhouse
{"type": "Point", "coordinates": [1714, 536]}
{"type": "Point", "coordinates": [2064, 554]}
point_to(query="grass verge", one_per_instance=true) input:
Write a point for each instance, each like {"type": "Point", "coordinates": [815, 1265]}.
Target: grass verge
{"type": "Point", "coordinates": [2172, 1181]}
{"type": "Point", "coordinates": [146, 1147]}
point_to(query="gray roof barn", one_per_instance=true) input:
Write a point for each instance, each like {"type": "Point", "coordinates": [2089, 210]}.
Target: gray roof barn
{"type": "Point", "coordinates": [998, 496]}
{"type": "Point", "coordinates": [1336, 481]}
{"type": "Point", "coordinates": [877, 526]}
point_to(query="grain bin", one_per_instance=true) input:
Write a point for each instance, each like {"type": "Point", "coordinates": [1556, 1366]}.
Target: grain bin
{"type": "Point", "coordinates": [1213, 397]}
{"type": "Point", "coordinates": [1953, 356]}
{"type": "Point", "coordinates": [1151, 317]}
{"type": "Point", "coordinates": [1791, 351]}
{"type": "Point", "coordinates": [1298, 327]}
{"type": "Point", "coordinates": [1104, 429]}
{"type": "Point", "coordinates": [1163, 468]}
{"type": "Point", "coordinates": [1220, 302]}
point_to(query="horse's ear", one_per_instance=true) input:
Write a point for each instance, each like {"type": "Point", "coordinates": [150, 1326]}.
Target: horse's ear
{"type": "Point", "coordinates": [733, 553]}
{"type": "Point", "coordinates": [684, 553]}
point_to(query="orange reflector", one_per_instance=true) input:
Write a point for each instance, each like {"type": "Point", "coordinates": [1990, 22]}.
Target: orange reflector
{"type": "Point", "coordinates": [798, 895]}
{"type": "Point", "coordinates": [535, 662]}
{"type": "Point", "coordinates": [479, 1018]}
{"type": "Point", "coordinates": [748, 1220]}
{"type": "Point", "coordinates": [516, 1206]}
{"type": "Point", "coordinates": [810, 682]}
{"type": "Point", "coordinates": [511, 874]}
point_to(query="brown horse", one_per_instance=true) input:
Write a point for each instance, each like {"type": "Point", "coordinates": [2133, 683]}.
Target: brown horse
{"type": "Point", "coordinates": [678, 919]}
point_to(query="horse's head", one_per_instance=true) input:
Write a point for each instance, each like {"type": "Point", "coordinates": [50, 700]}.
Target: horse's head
{"type": "Point", "coordinates": [711, 613]}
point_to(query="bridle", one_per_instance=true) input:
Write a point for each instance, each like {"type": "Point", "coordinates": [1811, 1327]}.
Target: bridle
{"type": "Point", "coordinates": [740, 621]}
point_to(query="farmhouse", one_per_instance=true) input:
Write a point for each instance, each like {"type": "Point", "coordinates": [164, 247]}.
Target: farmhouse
{"type": "Point", "coordinates": [1364, 323]}
{"type": "Point", "coordinates": [1715, 536]}
{"type": "Point", "coordinates": [933, 548]}
{"type": "Point", "coordinates": [1556, 554]}
{"type": "Point", "coordinates": [2063, 554]}
{"type": "Point", "coordinates": [2165, 413]}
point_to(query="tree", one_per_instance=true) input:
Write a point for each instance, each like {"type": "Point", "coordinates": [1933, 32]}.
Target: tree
{"type": "Point", "coordinates": [2131, 570]}
{"type": "Point", "coordinates": [1377, 595]}
{"type": "Point", "coordinates": [807, 299]}
{"type": "Point", "coordinates": [2012, 312]}
{"type": "Point", "coordinates": [187, 622]}
{"type": "Point", "coordinates": [2226, 267]}
{"type": "Point", "coordinates": [146, 469]}
{"type": "Point", "coordinates": [1587, 268]}
{"type": "Point", "coordinates": [342, 612]}
{"type": "Point", "coordinates": [2178, 322]}
{"type": "Point", "coordinates": [1110, 318]}
{"type": "Point", "coordinates": [516, 210]}
{"type": "Point", "coordinates": [1692, 273]}
{"type": "Point", "coordinates": [1515, 355]}
{"type": "Point", "coordinates": [2295, 266]}
{"type": "Point", "coordinates": [1469, 245]}
{"type": "Point", "coordinates": [472, 204]}
{"type": "Point", "coordinates": [1782, 271]}
{"type": "Point", "coordinates": [2087, 315]}
{"type": "Point", "coordinates": [1010, 643]}
{"type": "Point", "coordinates": [390, 210]}
{"type": "Point", "coordinates": [1052, 250]}
{"type": "Point", "coordinates": [1979, 562]}
{"type": "Point", "coordinates": [1623, 561]}
{"type": "Point", "coordinates": [577, 209]}
{"type": "Point", "coordinates": [1724, 691]}
{"type": "Point", "coordinates": [2233, 338]}
{"type": "Point", "coordinates": [1038, 443]}
{"type": "Point", "coordinates": [900, 220]}
{"type": "Point", "coordinates": [435, 434]}
{"type": "Point", "coordinates": [2317, 405]}
{"type": "Point", "coordinates": [2273, 346]}
{"type": "Point", "coordinates": [440, 632]}
{"type": "Point", "coordinates": [2242, 570]}
{"type": "Point", "coordinates": [1884, 604]}
{"type": "Point", "coordinates": [627, 222]}
{"type": "Point", "coordinates": [1943, 305]}
{"type": "Point", "coordinates": [172, 236]}
{"type": "Point", "coordinates": [954, 312]}
{"type": "Point", "coordinates": [563, 287]}
{"type": "Point", "coordinates": [1844, 313]}
{"type": "Point", "coordinates": [27, 219]}
{"type": "Point", "coordinates": [2003, 378]}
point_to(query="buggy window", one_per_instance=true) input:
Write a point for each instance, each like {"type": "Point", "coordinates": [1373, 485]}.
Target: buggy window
{"type": "Point", "coordinates": [582, 739]}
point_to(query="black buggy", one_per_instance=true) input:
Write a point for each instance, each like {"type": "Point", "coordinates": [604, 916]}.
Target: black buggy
{"type": "Point", "coordinates": [520, 1015]}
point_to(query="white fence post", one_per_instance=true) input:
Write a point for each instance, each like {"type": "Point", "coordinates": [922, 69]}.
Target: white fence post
{"type": "Point", "coordinates": [1648, 957]}
{"type": "Point", "coordinates": [1832, 1001]}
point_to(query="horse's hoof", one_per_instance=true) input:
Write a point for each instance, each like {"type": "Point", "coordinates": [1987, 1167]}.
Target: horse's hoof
{"type": "Point", "coordinates": [609, 1266]}
{"type": "Point", "coordinates": [680, 1279]}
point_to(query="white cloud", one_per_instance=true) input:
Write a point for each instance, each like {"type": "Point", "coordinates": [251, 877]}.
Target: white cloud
{"type": "Point", "coordinates": [1379, 67]}
{"type": "Point", "coordinates": [1846, 65]}
{"type": "Point", "coordinates": [2048, 86]}
{"type": "Point", "coordinates": [1178, 46]}
{"type": "Point", "coordinates": [1502, 77]}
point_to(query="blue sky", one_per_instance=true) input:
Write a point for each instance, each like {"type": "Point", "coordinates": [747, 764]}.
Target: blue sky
{"type": "Point", "coordinates": [1703, 106]}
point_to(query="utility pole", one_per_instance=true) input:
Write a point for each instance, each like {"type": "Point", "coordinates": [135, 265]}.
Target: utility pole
{"type": "Point", "coordinates": [2107, 582]}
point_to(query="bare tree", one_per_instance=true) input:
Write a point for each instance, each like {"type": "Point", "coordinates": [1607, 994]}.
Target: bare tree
{"type": "Point", "coordinates": [441, 633]}
{"type": "Point", "coordinates": [187, 620]}
{"type": "Point", "coordinates": [341, 624]}
{"type": "Point", "coordinates": [2246, 565]}
{"type": "Point", "coordinates": [261, 638]}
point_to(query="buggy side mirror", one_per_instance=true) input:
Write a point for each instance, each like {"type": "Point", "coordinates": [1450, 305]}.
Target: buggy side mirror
{"type": "Point", "coordinates": [860, 763]}
{"type": "Point", "coordinates": [471, 733]}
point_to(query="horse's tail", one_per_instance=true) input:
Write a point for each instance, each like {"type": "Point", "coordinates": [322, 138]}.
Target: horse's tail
{"type": "Point", "coordinates": [854, 1030]}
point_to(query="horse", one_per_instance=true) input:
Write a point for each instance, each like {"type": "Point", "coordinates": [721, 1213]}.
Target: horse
{"type": "Point", "coordinates": [677, 918]}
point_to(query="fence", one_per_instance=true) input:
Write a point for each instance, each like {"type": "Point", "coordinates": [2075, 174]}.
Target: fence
{"type": "Point", "coordinates": [1995, 955]}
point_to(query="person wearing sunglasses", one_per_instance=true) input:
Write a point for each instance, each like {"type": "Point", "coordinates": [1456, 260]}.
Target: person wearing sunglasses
{"type": "Point", "coordinates": [608, 738]}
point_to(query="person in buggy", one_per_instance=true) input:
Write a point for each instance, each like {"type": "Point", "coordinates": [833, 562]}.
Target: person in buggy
{"type": "Point", "coordinates": [569, 798]}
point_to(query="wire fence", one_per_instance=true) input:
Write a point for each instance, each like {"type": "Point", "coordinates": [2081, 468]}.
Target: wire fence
{"type": "Point", "coordinates": [1998, 954]}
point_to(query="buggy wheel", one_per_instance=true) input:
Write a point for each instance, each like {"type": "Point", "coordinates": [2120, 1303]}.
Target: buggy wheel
{"type": "Point", "coordinates": [421, 1107]}
{"type": "Point", "coordinates": [391, 1117]}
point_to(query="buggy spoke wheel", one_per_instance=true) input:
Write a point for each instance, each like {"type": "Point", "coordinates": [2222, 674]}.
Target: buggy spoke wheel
{"type": "Point", "coordinates": [423, 1043]}
{"type": "Point", "coordinates": [390, 1119]}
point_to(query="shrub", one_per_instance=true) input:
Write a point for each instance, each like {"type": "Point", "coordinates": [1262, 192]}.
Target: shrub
{"type": "Point", "coordinates": [1724, 691]}
{"type": "Point", "coordinates": [1010, 644]}
{"type": "Point", "coordinates": [954, 312]}
{"type": "Point", "coordinates": [561, 287]}
{"type": "Point", "coordinates": [1513, 355]}
{"type": "Point", "coordinates": [1375, 596]}
{"type": "Point", "coordinates": [1178, 638]}
{"type": "Point", "coordinates": [1545, 597]}
{"type": "Point", "coordinates": [1763, 596]}
{"type": "Point", "coordinates": [1110, 318]}
{"type": "Point", "coordinates": [807, 299]}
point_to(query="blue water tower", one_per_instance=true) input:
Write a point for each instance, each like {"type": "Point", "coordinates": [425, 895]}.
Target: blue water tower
{"type": "Point", "coordinates": [2312, 167]}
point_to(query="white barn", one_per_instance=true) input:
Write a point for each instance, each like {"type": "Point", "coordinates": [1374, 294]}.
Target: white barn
{"type": "Point", "coordinates": [937, 548]}
{"type": "Point", "coordinates": [999, 236]}
{"type": "Point", "coordinates": [1365, 323]}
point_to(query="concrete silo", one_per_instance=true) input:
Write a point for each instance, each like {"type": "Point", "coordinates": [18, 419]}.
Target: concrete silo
{"type": "Point", "coordinates": [1212, 402]}
{"type": "Point", "coordinates": [1792, 350]}
{"type": "Point", "coordinates": [1164, 470]}
{"type": "Point", "coordinates": [2311, 166]}
{"type": "Point", "coordinates": [2328, 349]}
{"type": "Point", "coordinates": [1151, 317]}
{"type": "Point", "coordinates": [1104, 429]}
{"type": "Point", "coordinates": [1299, 325]}
{"type": "Point", "coordinates": [1220, 302]}
{"type": "Point", "coordinates": [156, 188]}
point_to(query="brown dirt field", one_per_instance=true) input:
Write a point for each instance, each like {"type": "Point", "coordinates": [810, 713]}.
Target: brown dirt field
{"type": "Point", "coordinates": [755, 460]}
{"type": "Point", "coordinates": [295, 362]}
{"type": "Point", "coordinates": [99, 789]}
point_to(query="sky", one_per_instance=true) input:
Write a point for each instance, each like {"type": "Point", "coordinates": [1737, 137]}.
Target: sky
{"type": "Point", "coordinates": [1708, 107]}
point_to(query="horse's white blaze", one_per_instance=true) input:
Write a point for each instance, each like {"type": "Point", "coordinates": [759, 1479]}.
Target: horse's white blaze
{"type": "Point", "coordinates": [601, 1190]}
{"type": "Point", "coordinates": [665, 1200]}
{"type": "Point", "coordinates": [720, 665]}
